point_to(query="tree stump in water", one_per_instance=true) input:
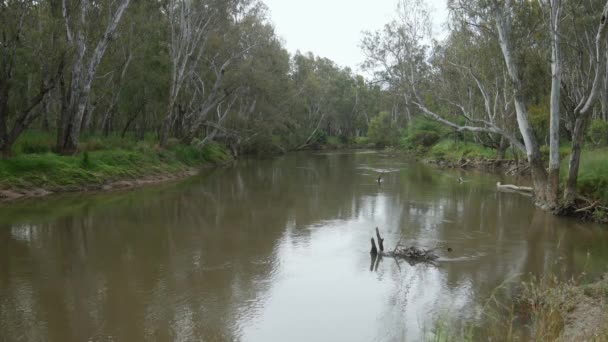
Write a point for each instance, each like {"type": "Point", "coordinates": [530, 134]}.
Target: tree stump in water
{"type": "Point", "coordinates": [374, 250]}
{"type": "Point", "coordinates": [380, 240]}
{"type": "Point", "coordinates": [411, 254]}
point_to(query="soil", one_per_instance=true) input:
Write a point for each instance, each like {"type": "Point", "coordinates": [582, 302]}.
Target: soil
{"type": "Point", "coordinates": [7, 195]}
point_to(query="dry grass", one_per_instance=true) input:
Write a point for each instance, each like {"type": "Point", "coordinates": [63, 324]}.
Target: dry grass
{"type": "Point", "coordinates": [544, 309]}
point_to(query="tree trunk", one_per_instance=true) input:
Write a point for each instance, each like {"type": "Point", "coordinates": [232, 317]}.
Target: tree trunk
{"type": "Point", "coordinates": [554, 158]}
{"type": "Point", "coordinates": [106, 124]}
{"type": "Point", "coordinates": [573, 164]}
{"type": "Point", "coordinates": [128, 124]}
{"type": "Point", "coordinates": [502, 149]}
{"type": "Point", "coordinates": [166, 125]}
{"type": "Point", "coordinates": [5, 150]}
{"type": "Point", "coordinates": [4, 89]}
{"type": "Point", "coordinates": [539, 174]}
{"type": "Point", "coordinates": [46, 112]}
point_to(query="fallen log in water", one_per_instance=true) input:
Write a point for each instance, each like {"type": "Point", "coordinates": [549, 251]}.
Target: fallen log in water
{"type": "Point", "coordinates": [510, 187]}
{"type": "Point", "coordinates": [411, 254]}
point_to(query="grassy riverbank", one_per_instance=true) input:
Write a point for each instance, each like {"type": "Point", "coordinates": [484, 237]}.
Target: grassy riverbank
{"type": "Point", "coordinates": [593, 173]}
{"type": "Point", "coordinates": [541, 310]}
{"type": "Point", "coordinates": [100, 163]}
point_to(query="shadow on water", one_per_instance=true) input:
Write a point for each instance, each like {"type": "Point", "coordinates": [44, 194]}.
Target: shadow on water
{"type": "Point", "coordinates": [274, 250]}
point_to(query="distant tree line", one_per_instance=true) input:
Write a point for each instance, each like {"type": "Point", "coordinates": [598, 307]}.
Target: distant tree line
{"type": "Point", "coordinates": [192, 70]}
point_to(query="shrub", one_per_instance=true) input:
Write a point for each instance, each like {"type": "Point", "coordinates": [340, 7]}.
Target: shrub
{"type": "Point", "coordinates": [85, 162]}
{"type": "Point", "coordinates": [362, 141]}
{"type": "Point", "coordinates": [383, 131]}
{"type": "Point", "coordinates": [423, 138]}
{"type": "Point", "coordinates": [598, 132]}
{"type": "Point", "coordinates": [93, 144]}
{"type": "Point", "coordinates": [172, 142]}
{"type": "Point", "coordinates": [320, 137]}
{"type": "Point", "coordinates": [34, 143]}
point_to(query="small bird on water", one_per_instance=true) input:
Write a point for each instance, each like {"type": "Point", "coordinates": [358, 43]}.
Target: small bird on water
{"type": "Point", "coordinates": [380, 178]}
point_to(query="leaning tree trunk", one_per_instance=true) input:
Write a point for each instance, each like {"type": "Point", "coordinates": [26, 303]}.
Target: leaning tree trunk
{"type": "Point", "coordinates": [539, 174]}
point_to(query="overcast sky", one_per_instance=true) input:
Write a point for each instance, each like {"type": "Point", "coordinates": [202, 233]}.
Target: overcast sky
{"type": "Point", "coordinates": [332, 28]}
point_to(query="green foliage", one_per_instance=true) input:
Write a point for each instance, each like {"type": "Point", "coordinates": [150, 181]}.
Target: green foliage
{"type": "Point", "coordinates": [195, 154]}
{"type": "Point", "coordinates": [424, 124]}
{"type": "Point", "coordinates": [383, 131]}
{"type": "Point", "coordinates": [333, 142]}
{"type": "Point", "coordinates": [564, 152]}
{"type": "Point", "coordinates": [86, 162]}
{"type": "Point", "coordinates": [593, 174]}
{"type": "Point", "coordinates": [422, 133]}
{"type": "Point", "coordinates": [598, 132]}
{"type": "Point", "coordinates": [320, 137]}
{"type": "Point", "coordinates": [447, 149]}
{"type": "Point", "coordinates": [539, 119]}
{"type": "Point", "coordinates": [423, 138]}
{"type": "Point", "coordinates": [362, 141]}
{"type": "Point", "coordinates": [34, 142]}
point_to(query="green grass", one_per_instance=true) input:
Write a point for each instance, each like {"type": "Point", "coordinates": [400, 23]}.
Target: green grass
{"type": "Point", "coordinates": [100, 161]}
{"type": "Point", "coordinates": [593, 173]}
{"type": "Point", "coordinates": [362, 141]}
{"type": "Point", "coordinates": [449, 150]}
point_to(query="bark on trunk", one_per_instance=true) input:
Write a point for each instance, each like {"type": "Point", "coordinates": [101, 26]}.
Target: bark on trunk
{"type": "Point", "coordinates": [502, 149]}
{"type": "Point", "coordinates": [554, 158]}
{"type": "Point", "coordinates": [573, 164]}
{"type": "Point", "coordinates": [539, 174]}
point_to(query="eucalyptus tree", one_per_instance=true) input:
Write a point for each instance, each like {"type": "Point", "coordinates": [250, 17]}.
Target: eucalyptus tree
{"type": "Point", "coordinates": [23, 29]}
{"type": "Point", "coordinates": [396, 55]}
{"type": "Point", "coordinates": [470, 80]}
{"type": "Point", "coordinates": [191, 25]}
{"type": "Point", "coordinates": [86, 24]}
{"type": "Point", "coordinates": [313, 77]}
{"type": "Point", "coordinates": [585, 80]}
{"type": "Point", "coordinates": [266, 94]}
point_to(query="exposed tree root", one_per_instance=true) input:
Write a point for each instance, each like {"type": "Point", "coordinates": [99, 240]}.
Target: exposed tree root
{"type": "Point", "coordinates": [584, 209]}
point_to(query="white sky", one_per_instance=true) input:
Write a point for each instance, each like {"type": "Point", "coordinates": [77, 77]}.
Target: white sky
{"type": "Point", "coordinates": [332, 28]}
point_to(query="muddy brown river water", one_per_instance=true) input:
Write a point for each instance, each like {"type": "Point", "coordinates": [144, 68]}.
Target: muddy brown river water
{"type": "Point", "coordinates": [276, 250]}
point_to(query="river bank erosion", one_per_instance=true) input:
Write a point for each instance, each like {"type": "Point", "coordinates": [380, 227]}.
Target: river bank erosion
{"type": "Point", "coordinates": [252, 251]}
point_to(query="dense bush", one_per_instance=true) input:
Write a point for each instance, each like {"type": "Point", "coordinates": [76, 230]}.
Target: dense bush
{"type": "Point", "coordinates": [320, 137]}
{"type": "Point", "coordinates": [383, 131]}
{"type": "Point", "coordinates": [422, 133]}
{"type": "Point", "coordinates": [598, 133]}
{"type": "Point", "coordinates": [34, 142]}
{"type": "Point", "coordinates": [423, 138]}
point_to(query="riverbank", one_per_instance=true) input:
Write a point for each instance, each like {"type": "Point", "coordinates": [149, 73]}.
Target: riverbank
{"type": "Point", "coordinates": [102, 164]}
{"type": "Point", "coordinates": [592, 180]}
{"type": "Point", "coordinates": [542, 310]}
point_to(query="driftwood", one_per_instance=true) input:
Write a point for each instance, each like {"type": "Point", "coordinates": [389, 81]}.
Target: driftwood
{"type": "Point", "coordinates": [411, 254]}
{"type": "Point", "coordinates": [510, 187]}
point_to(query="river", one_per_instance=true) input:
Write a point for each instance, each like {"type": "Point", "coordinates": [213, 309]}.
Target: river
{"type": "Point", "coordinates": [276, 250]}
